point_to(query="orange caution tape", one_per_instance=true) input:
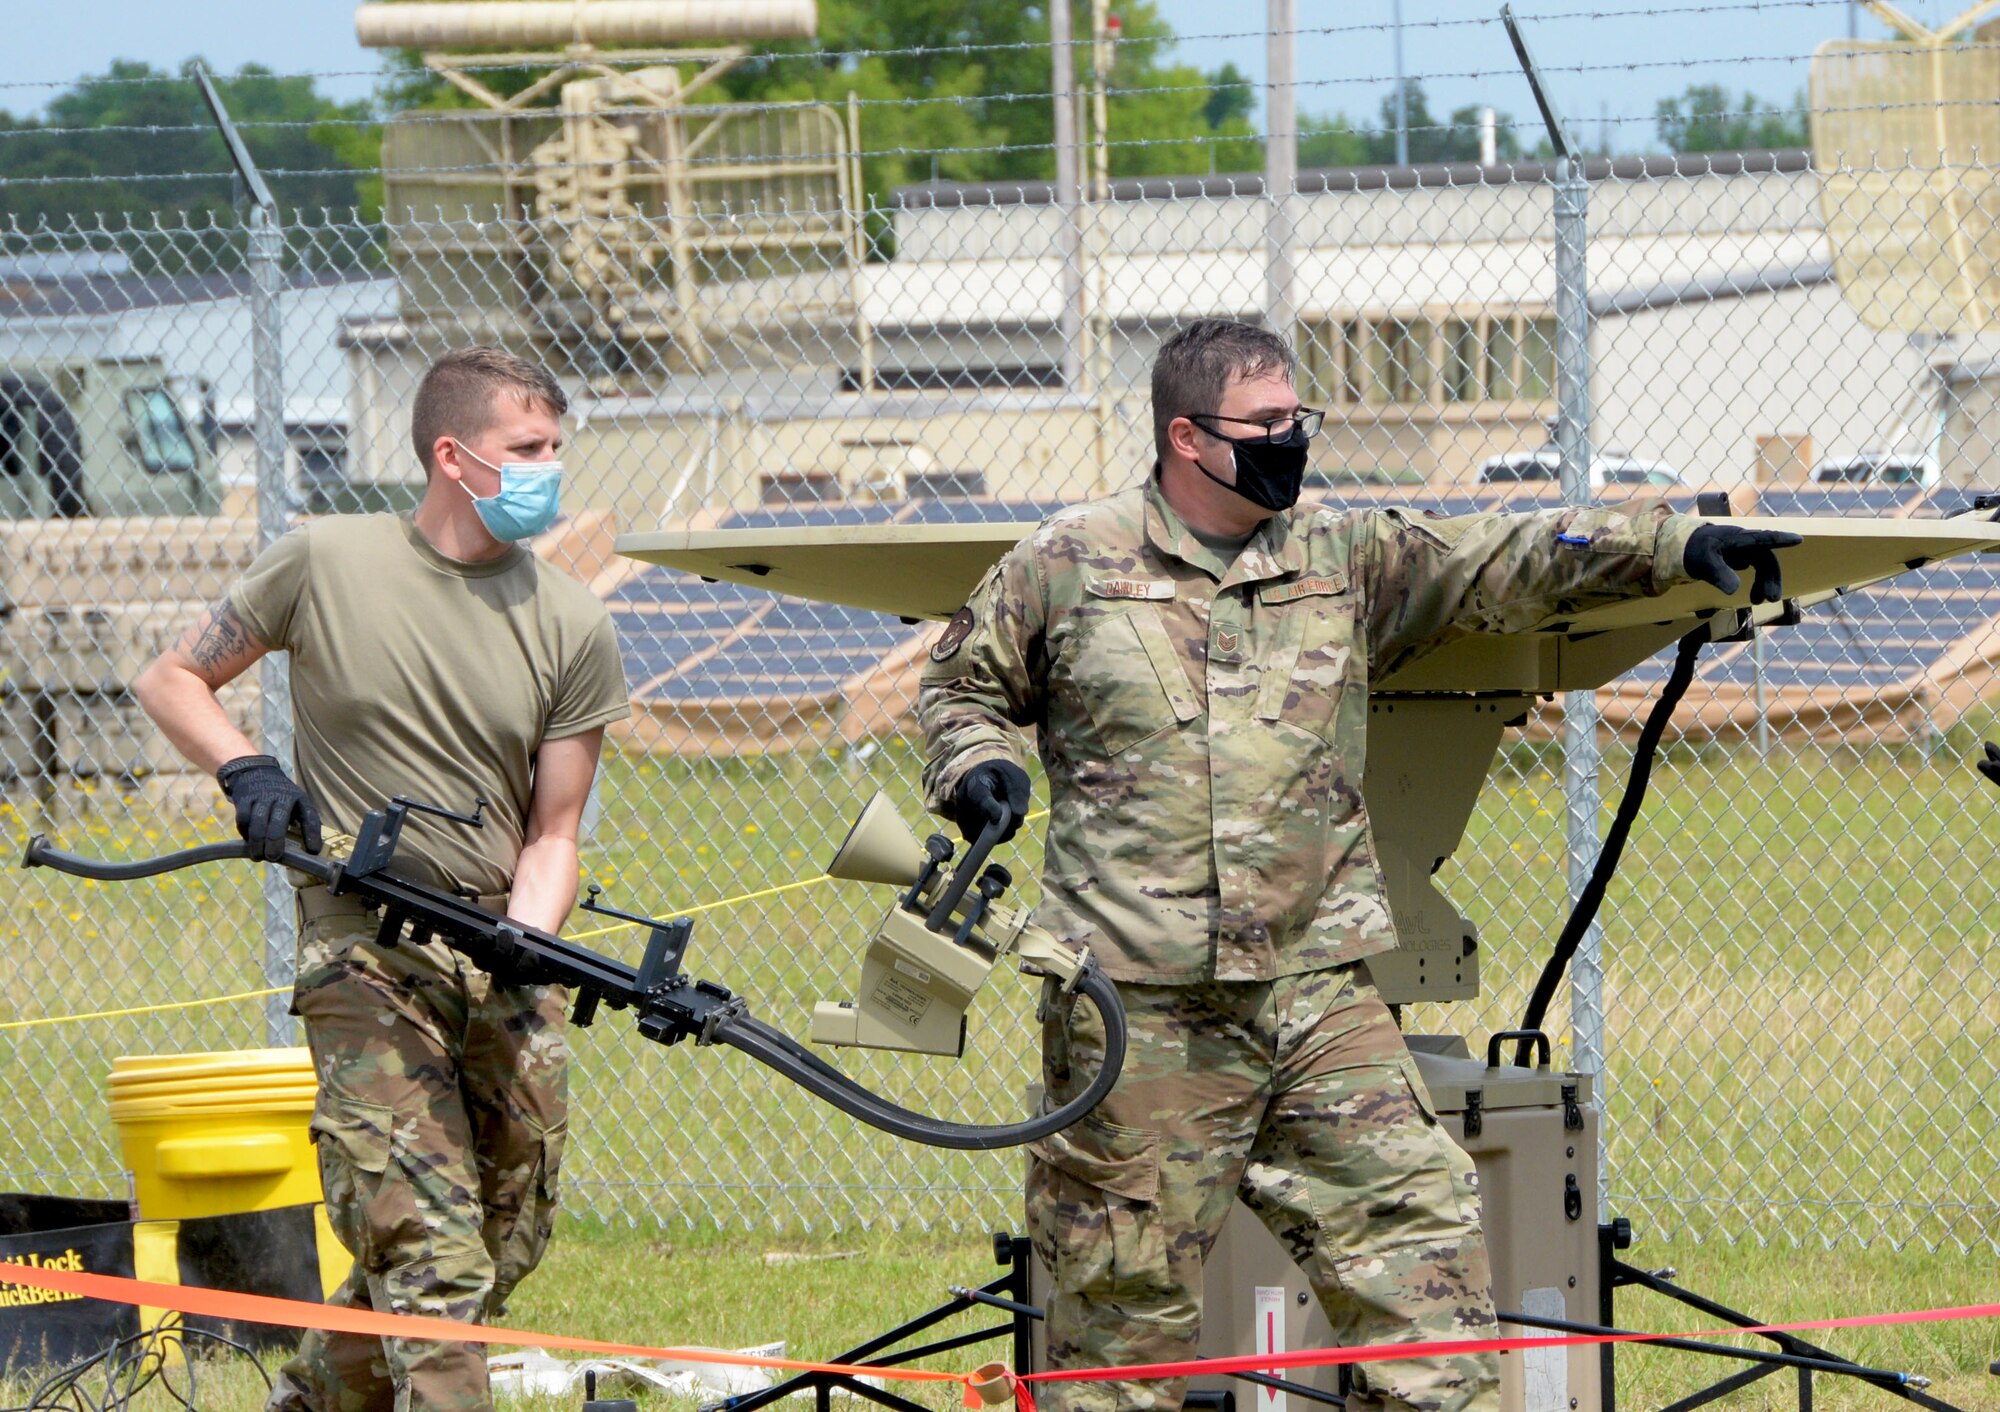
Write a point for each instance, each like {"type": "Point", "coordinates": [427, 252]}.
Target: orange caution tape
{"type": "Point", "coordinates": [297, 1314]}
{"type": "Point", "coordinates": [290, 1313]}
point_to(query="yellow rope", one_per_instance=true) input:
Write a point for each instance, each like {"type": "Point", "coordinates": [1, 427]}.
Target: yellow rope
{"type": "Point", "coordinates": [142, 1009]}
{"type": "Point", "coordinates": [710, 906]}
{"type": "Point", "coordinates": [280, 990]}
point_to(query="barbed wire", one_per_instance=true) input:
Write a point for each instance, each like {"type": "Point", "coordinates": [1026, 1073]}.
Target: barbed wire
{"type": "Point", "coordinates": [1020, 45]}
{"type": "Point", "coordinates": [514, 170]}
{"type": "Point", "coordinates": [414, 117]}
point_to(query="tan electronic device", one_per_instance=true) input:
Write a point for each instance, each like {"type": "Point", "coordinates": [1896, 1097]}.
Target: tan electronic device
{"type": "Point", "coordinates": [935, 948]}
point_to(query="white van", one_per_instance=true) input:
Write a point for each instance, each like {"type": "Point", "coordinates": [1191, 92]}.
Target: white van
{"type": "Point", "coordinates": [1610, 468]}
{"type": "Point", "coordinates": [1919, 471]}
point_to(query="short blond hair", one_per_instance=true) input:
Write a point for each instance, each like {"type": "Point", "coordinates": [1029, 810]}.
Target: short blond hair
{"type": "Point", "coordinates": [458, 395]}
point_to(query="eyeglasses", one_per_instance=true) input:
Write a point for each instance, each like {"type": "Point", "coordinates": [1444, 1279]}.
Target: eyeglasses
{"type": "Point", "coordinates": [1306, 422]}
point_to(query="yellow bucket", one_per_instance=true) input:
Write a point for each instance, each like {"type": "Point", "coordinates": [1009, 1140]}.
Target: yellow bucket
{"type": "Point", "coordinates": [215, 1134]}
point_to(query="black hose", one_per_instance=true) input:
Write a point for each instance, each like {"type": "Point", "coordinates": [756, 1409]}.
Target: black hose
{"type": "Point", "coordinates": [785, 1055]}
{"type": "Point", "coordinates": [41, 854]}
{"type": "Point", "coordinates": [769, 1046]}
{"type": "Point", "coordinates": [1592, 897]}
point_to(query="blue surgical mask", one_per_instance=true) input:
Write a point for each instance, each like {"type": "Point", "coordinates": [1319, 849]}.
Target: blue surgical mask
{"type": "Point", "coordinates": [528, 501]}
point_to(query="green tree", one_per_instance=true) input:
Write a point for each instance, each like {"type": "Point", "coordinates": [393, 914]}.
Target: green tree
{"type": "Point", "coordinates": [1431, 139]}
{"type": "Point", "coordinates": [1231, 97]}
{"type": "Point", "coordinates": [1337, 141]}
{"type": "Point", "coordinates": [1704, 118]}
{"type": "Point", "coordinates": [1331, 142]}
{"type": "Point", "coordinates": [141, 122]}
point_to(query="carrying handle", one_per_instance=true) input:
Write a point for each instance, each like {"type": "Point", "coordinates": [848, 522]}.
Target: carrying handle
{"type": "Point", "coordinates": [1535, 1037]}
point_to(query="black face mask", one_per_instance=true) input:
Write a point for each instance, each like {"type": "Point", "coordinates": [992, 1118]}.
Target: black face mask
{"type": "Point", "coordinates": [1269, 474]}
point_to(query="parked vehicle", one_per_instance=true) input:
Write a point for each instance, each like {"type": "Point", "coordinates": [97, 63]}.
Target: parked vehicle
{"type": "Point", "coordinates": [1610, 468]}
{"type": "Point", "coordinates": [1918, 470]}
{"type": "Point", "coordinates": [107, 436]}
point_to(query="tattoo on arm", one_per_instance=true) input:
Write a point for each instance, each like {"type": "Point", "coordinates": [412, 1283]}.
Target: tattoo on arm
{"type": "Point", "coordinates": [218, 638]}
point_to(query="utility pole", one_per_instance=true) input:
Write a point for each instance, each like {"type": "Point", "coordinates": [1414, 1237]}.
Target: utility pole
{"type": "Point", "coordinates": [1281, 165]}
{"type": "Point", "coordinates": [1402, 88]}
{"type": "Point", "coordinates": [1104, 33]}
{"type": "Point", "coordinates": [1062, 59]}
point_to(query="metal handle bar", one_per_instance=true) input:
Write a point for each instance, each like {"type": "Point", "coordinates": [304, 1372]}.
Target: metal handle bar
{"type": "Point", "coordinates": [968, 868]}
{"type": "Point", "coordinates": [669, 1011]}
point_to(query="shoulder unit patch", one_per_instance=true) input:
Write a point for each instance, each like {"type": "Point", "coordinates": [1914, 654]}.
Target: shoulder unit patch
{"type": "Point", "coordinates": [955, 633]}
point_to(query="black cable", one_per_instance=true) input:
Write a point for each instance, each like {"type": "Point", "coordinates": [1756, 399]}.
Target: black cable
{"type": "Point", "coordinates": [1592, 896]}
{"type": "Point", "coordinates": [680, 1011]}
{"type": "Point", "coordinates": [780, 1052]}
{"type": "Point", "coordinates": [138, 1361]}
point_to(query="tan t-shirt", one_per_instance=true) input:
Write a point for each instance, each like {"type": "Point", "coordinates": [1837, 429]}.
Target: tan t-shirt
{"type": "Point", "coordinates": [421, 675]}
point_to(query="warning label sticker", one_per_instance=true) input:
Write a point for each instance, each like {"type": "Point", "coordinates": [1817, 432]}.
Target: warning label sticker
{"type": "Point", "coordinates": [901, 999]}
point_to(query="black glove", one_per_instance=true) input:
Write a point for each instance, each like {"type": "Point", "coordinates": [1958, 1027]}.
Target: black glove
{"type": "Point", "coordinates": [985, 788]}
{"type": "Point", "coordinates": [1715, 552]}
{"type": "Point", "coordinates": [1990, 766]}
{"type": "Point", "coordinates": [267, 803]}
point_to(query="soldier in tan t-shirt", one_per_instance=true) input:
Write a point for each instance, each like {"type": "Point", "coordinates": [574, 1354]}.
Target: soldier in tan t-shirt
{"type": "Point", "coordinates": [436, 658]}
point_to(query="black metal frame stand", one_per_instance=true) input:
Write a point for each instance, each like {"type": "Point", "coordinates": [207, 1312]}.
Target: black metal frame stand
{"type": "Point", "coordinates": [884, 1350]}
{"type": "Point", "coordinates": [1806, 1360]}
{"type": "Point", "coordinates": [1007, 1293]}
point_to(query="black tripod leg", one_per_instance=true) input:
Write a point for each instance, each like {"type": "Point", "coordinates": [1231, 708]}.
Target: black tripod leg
{"type": "Point", "coordinates": [1716, 1391]}
{"type": "Point", "coordinates": [1897, 1384]}
{"type": "Point", "coordinates": [1609, 1237]}
{"type": "Point", "coordinates": [1018, 1253]}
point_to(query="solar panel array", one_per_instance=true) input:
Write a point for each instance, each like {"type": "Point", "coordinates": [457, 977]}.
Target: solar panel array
{"type": "Point", "coordinates": [690, 643]}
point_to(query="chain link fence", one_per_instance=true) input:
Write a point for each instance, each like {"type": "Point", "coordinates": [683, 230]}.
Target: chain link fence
{"type": "Point", "coordinates": [1797, 1032]}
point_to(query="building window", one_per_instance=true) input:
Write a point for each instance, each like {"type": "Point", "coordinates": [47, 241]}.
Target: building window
{"type": "Point", "coordinates": [1399, 362]}
{"type": "Point", "coordinates": [1330, 362]}
{"type": "Point", "coordinates": [1503, 347]}
{"type": "Point", "coordinates": [1414, 362]}
{"type": "Point", "coordinates": [1461, 360]}
{"type": "Point", "coordinates": [1538, 357]}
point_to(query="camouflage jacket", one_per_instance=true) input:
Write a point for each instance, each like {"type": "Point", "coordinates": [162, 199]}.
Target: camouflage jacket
{"type": "Point", "coordinates": [1203, 724]}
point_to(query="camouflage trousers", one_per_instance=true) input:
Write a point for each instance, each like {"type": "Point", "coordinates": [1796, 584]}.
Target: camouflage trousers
{"type": "Point", "coordinates": [1299, 1097]}
{"type": "Point", "coordinates": [439, 1125]}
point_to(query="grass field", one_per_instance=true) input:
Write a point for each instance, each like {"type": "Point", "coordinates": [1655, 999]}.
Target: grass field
{"type": "Point", "coordinates": [718, 1290]}
{"type": "Point", "coordinates": [1799, 957]}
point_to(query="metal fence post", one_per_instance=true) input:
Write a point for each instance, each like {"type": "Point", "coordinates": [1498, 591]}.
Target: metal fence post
{"type": "Point", "coordinates": [1580, 753]}
{"type": "Point", "coordinates": [1281, 167]}
{"type": "Point", "coordinates": [267, 252]}
{"type": "Point", "coordinates": [266, 261]}
{"type": "Point", "coordinates": [1062, 86]}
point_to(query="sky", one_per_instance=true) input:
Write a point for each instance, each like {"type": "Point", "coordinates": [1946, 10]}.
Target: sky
{"type": "Point", "coordinates": [1608, 69]}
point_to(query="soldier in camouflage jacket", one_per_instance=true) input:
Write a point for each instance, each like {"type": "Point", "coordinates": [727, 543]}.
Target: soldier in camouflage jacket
{"type": "Point", "coordinates": [1194, 655]}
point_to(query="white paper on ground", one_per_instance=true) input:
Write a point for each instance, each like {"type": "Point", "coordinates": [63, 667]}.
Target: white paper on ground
{"type": "Point", "coordinates": [537, 1371]}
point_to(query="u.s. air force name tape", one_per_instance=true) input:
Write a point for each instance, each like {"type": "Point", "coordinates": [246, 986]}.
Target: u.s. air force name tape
{"type": "Point", "coordinates": [295, 1314]}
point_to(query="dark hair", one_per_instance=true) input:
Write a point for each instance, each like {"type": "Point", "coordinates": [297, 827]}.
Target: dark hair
{"type": "Point", "coordinates": [1194, 367]}
{"type": "Point", "coordinates": [458, 395]}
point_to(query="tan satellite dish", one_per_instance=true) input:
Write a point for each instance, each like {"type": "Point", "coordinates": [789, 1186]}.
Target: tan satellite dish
{"type": "Point", "coordinates": [1903, 133]}
{"type": "Point", "coordinates": [544, 24]}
